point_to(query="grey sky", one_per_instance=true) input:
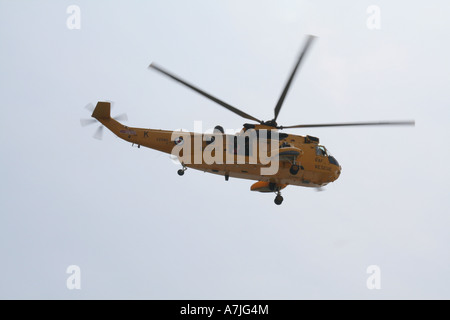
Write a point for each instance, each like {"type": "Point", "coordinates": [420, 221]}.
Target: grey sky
{"type": "Point", "coordinates": [138, 230]}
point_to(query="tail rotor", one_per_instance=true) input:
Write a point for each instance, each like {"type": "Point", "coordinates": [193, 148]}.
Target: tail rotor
{"type": "Point", "coordinates": [98, 134]}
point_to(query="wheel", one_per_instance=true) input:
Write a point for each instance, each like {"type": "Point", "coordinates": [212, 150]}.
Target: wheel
{"type": "Point", "coordinates": [180, 172]}
{"type": "Point", "coordinates": [278, 200]}
{"type": "Point", "coordinates": [294, 169]}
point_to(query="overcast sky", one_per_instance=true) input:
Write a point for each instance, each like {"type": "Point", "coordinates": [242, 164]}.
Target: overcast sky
{"type": "Point", "coordinates": [138, 230]}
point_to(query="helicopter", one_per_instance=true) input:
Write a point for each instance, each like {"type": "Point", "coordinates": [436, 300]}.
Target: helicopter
{"type": "Point", "coordinates": [300, 160]}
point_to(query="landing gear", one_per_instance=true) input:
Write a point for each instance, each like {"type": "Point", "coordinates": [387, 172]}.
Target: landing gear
{"type": "Point", "coordinates": [273, 187]}
{"type": "Point", "coordinates": [278, 199]}
{"type": "Point", "coordinates": [181, 171]}
{"type": "Point", "coordinates": [227, 177]}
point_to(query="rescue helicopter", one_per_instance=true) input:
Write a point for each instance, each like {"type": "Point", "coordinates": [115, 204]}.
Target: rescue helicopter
{"type": "Point", "coordinates": [301, 160]}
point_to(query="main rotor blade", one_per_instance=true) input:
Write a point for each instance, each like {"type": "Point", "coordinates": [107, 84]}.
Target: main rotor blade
{"type": "Point", "coordinates": [203, 93]}
{"type": "Point", "coordinates": [98, 133]}
{"type": "Point", "coordinates": [288, 83]}
{"type": "Point", "coordinates": [351, 124]}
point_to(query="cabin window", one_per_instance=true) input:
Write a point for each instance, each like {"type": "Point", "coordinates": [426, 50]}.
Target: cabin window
{"type": "Point", "coordinates": [209, 139]}
{"type": "Point", "coordinates": [321, 151]}
{"type": "Point", "coordinates": [246, 151]}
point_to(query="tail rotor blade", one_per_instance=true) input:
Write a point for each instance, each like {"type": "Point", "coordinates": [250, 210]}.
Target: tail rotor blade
{"type": "Point", "coordinates": [86, 122]}
{"type": "Point", "coordinates": [89, 107]}
{"type": "Point", "coordinates": [121, 117]}
{"type": "Point", "coordinates": [98, 133]}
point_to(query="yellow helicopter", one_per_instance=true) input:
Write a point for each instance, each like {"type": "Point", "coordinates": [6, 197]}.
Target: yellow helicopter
{"type": "Point", "coordinates": [259, 152]}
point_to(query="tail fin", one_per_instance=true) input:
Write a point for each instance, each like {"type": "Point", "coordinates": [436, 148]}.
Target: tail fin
{"type": "Point", "coordinates": [102, 110]}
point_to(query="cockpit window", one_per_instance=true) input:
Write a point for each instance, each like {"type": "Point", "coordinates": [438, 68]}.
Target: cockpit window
{"type": "Point", "coordinates": [321, 151]}
{"type": "Point", "coordinates": [332, 159]}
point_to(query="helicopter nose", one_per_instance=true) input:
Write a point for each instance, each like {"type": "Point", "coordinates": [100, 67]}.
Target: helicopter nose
{"type": "Point", "coordinates": [337, 172]}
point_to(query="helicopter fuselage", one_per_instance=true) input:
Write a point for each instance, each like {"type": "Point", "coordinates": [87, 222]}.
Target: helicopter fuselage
{"type": "Point", "coordinates": [317, 167]}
